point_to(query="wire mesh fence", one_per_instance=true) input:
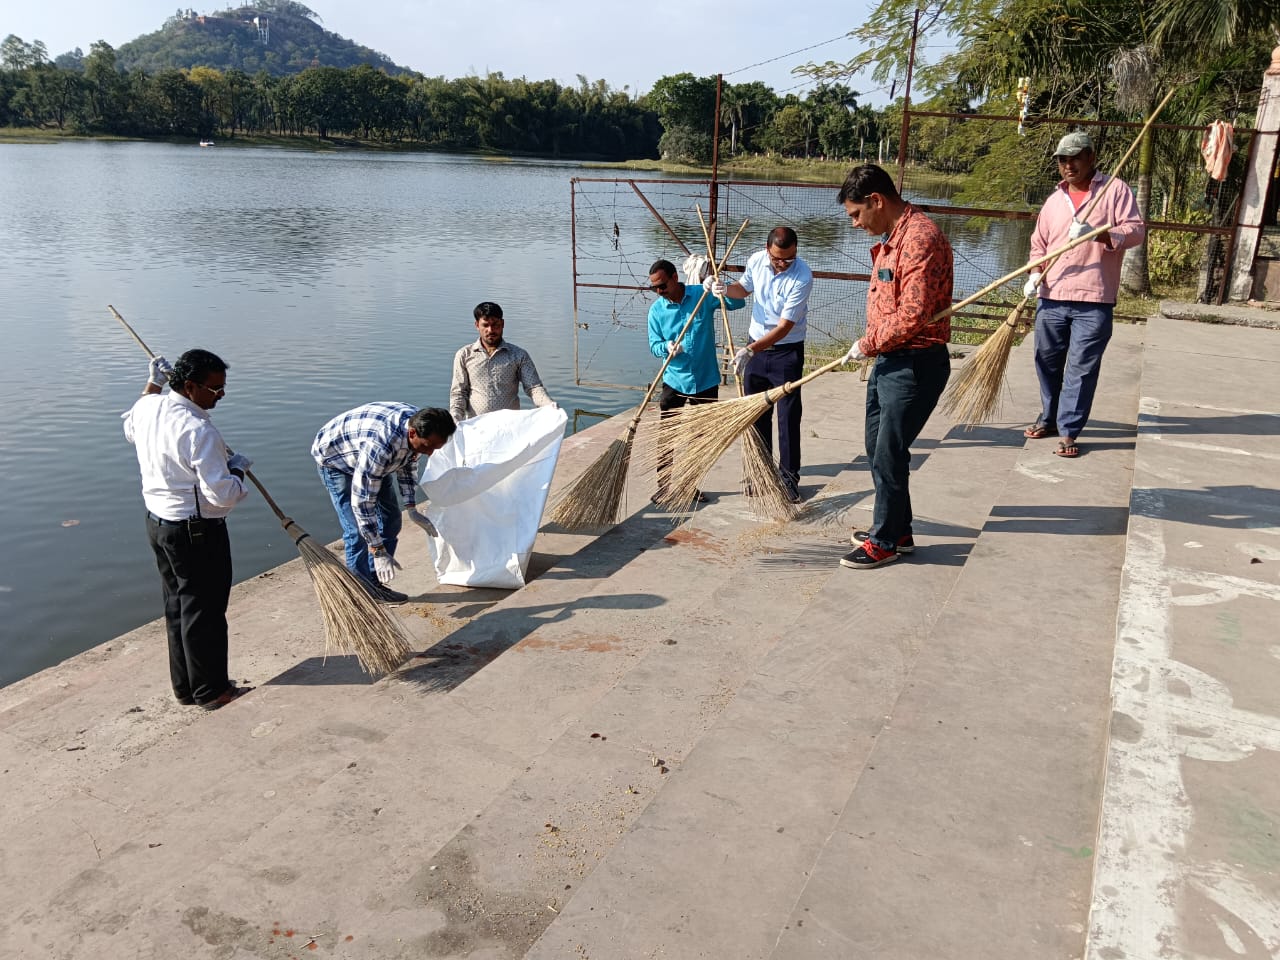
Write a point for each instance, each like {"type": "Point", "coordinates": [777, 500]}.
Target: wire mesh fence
{"type": "Point", "coordinates": [622, 225]}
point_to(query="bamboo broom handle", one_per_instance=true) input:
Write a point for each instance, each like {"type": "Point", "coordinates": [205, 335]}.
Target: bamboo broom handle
{"type": "Point", "coordinates": [1115, 172]}
{"type": "Point", "coordinates": [1025, 268]}
{"type": "Point", "coordinates": [635, 421]}
{"type": "Point", "coordinates": [724, 307]}
{"type": "Point", "coordinates": [777, 393]}
{"type": "Point", "coordinates": [280, 514]}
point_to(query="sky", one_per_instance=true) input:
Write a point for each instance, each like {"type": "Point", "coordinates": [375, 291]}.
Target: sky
{"type": "Point", "coordinates": [626, 44]}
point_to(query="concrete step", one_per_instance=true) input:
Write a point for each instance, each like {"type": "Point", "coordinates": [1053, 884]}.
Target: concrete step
{"type": "Point", "coordinates": [971, 832]}
{"type": "Point", "coordinates": [318, 764]}
{"type": "Point", "coordinates": [761, 797]}
{"type": "Point", "coordinates": [1188, 851]}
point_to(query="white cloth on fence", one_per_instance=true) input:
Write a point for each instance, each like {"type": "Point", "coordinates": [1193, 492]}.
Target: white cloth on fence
{"type": "Point", "coordinates": [696, 268]}
{"type": "Point", "coordinates": [487, 488]}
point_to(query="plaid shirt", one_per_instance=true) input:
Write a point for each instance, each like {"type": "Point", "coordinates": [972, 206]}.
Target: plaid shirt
{"type": "Point", "coordinates": [370, 443]}
{"type": "Point", "coordinates": [910, 285]}
{"type": "Point", "coordinates": [482, 383]}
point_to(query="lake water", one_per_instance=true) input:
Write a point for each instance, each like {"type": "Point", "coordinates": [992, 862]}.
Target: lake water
{"type": "Point", "coordinates": [326, 280]}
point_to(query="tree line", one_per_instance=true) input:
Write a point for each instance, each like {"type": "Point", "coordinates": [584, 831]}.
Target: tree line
{"type": "Point", "coordinates": [92, 94]}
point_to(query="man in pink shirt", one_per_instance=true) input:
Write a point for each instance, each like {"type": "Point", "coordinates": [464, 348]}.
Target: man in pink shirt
{"type": "Point", "coordinates": [1078, 291]}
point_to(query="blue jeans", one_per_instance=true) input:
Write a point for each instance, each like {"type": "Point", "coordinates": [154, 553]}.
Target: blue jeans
{"type": "Point", "coordinates": [389, 520]}
{"type": "Point", "coordinates": [902, 391]}
{"type": "Point", "coordinates": [772, 368]}
{"type": "Point", "coordinates": [1070, 338]}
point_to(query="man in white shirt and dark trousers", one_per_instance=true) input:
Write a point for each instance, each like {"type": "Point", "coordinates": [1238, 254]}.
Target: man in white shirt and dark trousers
{"type": "Point", "coordinates": [779, 283]}
{"type": "Point", "coordinates": [190, 482]}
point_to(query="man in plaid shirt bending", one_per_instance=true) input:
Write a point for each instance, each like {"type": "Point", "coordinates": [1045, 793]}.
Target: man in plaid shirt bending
{"type": "Point", "coordinates": [356, 452]}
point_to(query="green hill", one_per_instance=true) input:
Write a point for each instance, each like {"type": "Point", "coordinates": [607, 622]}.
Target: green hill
{"type": "Point", "coordinates": [279, 36]}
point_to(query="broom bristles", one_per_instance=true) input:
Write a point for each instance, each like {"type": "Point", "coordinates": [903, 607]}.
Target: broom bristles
{"type": "Point", "coordinates": [973, 397]}
{"type": "Point", "coordinates": [767, 494]}
{"type": "Point", "coordinates": [701, 433]}
{"type": "Point", "coordinates": [353, 621]}
{"type": "Point", "coordinates": [595, 498]}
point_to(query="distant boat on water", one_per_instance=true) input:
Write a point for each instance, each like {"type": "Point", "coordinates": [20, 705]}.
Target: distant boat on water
{"type": "Point", "coordinates": [206, 143]}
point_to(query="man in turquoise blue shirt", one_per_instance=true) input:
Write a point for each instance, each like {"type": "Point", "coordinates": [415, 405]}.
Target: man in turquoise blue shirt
{"type": "Point", "coordinates": [693, 375]}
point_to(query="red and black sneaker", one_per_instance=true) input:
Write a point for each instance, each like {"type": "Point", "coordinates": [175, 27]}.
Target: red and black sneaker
{"type": "Point", "coordinates": [868, 556]}
{"type": "Point", "coordinates": [906, 543]}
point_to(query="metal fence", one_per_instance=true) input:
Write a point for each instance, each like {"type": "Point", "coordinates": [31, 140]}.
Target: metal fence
{"type": "Point", "coordinates": [622, 225]}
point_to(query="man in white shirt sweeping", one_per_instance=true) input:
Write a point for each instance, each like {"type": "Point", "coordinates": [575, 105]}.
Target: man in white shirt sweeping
{"type": "Point", "coordinates": [190, 482]}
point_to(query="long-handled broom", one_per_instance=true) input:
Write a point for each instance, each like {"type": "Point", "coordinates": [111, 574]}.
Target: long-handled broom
{"type": "Point", "coordinates": [761, 480]}
{"type": "Point", "coordinates": [973, 396]}
{"type": "Point", "coordinates": [703, 432]}
{"type": "Point", "coordinates": [353, 620]}
{"type": "Point", "coordinates": [595, 498]}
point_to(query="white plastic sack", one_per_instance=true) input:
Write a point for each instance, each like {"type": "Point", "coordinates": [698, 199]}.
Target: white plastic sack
{"type": "Point", "coordinates": [487, 487]}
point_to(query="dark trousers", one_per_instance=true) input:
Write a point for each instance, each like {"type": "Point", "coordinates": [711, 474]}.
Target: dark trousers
{"type": "Point", "coordinates": [902, 391]}
{"type": "Point", "coordinates": [195, 571]}
{"type": "Point", "coordinates": [1070, 339]}
{"type": "Point", "coordinates": [670, 400]}
{"type": "Point", "coordinates": [772, 368]}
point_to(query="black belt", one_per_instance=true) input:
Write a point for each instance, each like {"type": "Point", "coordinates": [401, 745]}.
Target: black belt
{"type": "Point", "coordinates": [182, 523]}
{"type": "Point", "coordinates": [781, 346]}
{"type": "Point", "coordinates": [908, 351]}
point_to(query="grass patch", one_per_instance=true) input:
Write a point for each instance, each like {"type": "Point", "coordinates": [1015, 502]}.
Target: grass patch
{"type": "Point", "coordinates": [831, 172]}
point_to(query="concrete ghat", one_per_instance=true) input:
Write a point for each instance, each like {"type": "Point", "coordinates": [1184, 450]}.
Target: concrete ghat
{"type": "Point", "coordinates": [1189, 851]}
{"type": "Point", "coordinates": [700, 737]}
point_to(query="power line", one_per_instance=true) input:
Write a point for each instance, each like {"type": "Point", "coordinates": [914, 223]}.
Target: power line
{"type": "Point", "coordinates": [784, 56]}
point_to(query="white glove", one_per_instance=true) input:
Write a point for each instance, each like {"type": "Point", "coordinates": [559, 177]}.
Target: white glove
{"type": "Point", "coordinates": [1031, 288]}
{"type": "Point", "coordinates": [159, 370]}
{"type": "Point", "coordinates": [715, 287]}
{"type": "Point", "coordinates": [740, 361]}
{"type": "Point", "coordinates": [1077, 230]}
{"type": "Point", "coordinates": [855, 353]}
{"type": "Point", "coordinates": [238, 461]}
{"type": "Point", "coordinates": [422, 521]}
{"type": "Point", "coordinates": [673, 348]}
{"type": "Point", "coordinates": [385, 566]}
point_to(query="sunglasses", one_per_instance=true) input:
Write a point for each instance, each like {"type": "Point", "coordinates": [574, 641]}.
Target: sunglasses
{"type": "Point", "coordinates": [219, 392]}
{"type": "Point", "coordinates": [659, 287]}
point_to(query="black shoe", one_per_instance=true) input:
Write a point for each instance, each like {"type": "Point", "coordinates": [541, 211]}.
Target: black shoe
{"type": "Point", "coordinates": [868, 557]}
{"type": "Point", "coordinates": [231, 693]}
{"type": "Point", "coordinates": [792, 491]}
{"type": "Point", "coordinates": [384, 594]}
{"type": "Point", "coordinates": [906, 544]}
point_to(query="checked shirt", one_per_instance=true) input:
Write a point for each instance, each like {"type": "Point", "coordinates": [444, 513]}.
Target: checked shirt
{"type": "Point", "coordinates": [370, 443]}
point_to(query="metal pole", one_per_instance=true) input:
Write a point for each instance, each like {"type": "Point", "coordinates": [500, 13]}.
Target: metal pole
{"type": "Point", "coordinates": [712, 204]}
{"type": "Point", "coordinates": [573, 249]}
{"type": "Point", "coordinates": [906, 102]}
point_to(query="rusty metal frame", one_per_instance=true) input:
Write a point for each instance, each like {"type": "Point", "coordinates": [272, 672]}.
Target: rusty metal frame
{"type": "Point", "coordinates": [634, 184]}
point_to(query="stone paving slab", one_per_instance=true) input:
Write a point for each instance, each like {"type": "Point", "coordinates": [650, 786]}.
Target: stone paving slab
{"type": "Point", "coordinates": [971, 832]}
{"type": "Point", "coordinates": [1188, 865]}
{"type": "Point", "coordinates": [757, 801]}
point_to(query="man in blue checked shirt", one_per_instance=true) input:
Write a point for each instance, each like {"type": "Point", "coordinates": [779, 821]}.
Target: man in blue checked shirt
{"type": "Point", "coordinates": [693, 375]}
{"type": "Point", "coordinates": [357, 452]}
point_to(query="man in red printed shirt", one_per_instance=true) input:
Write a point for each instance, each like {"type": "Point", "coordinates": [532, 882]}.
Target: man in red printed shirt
{"type": "Point", "coordinates": [910, 285]}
